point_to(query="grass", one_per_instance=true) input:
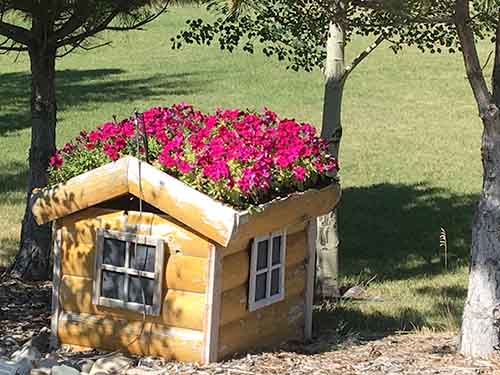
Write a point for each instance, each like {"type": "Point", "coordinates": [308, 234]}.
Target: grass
{"type": "Point", "coordinates": [410, 154]}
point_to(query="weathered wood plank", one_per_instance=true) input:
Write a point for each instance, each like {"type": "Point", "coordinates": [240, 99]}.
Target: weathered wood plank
{"type": "Point", "coordinates": [56, 288]}
{"type": "Point", "coordinates": [212, 307]}
{"type": "Point", "coordinates": [235, 301]}
{"type": "Point", "coordinates": [187, 273]}
{"type": "Point", "coordinates": [80, 192]}
{"type": "Point", "coordinates": [310, 268]}
{"type": "Point", "coordinates": [187, 205]}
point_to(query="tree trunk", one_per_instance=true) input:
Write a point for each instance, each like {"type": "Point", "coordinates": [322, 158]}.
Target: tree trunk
{"type": "Point", "coordinates": [32, 260]}
{"type": "Point", "coordinates": [480, 324]}
{"type": "Point", "coordinates": [327, 242]}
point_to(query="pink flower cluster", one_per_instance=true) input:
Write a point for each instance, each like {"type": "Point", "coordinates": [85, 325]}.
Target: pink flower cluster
{"type": "Point", "coordinates": [239, 157]}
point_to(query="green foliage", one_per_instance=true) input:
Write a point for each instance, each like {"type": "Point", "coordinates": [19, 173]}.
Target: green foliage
{"type": "Point", "coordinates": [296, 31]}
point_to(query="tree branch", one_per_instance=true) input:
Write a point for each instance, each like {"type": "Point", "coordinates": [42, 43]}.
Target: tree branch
{"type": "Point", "coordinates": [471, 58]}
{"type": "Point", "coordinates": [16, 33]}
{"type": "Point", "coordinates": [104, 25]}
{"type": "Point", "coordinates": [363, 55]}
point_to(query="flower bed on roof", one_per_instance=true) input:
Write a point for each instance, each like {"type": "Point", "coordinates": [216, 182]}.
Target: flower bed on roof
{"type": "Point", "coordinates": [239, 157]}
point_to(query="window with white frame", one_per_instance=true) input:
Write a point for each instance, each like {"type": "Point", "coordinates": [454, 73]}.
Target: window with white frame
{"type": "Point", "coordinates": [128, 271]}
{"type": "Point", "coordinates": [267, 270]}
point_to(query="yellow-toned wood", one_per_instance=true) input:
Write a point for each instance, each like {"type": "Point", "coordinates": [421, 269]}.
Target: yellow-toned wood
{"type": "Point", "coordinates": [177, 344]}
{"type": "Point", "coordinates": [183, 309]}
{"type": "Point", "coordinates": [187, 273]}
{"type": "Point", "coordinates": [105, 333]}
{"type": "Point", "coordinates": [77, 260]}
{"type": "Point", "coordinates": [187, 205]}
{"type": "Point", "coordinates": [81, 192]}
{"type": "Point", "coordinates": [80, 228]}
{"type": "Point", "coordinates": [213, 299]}
{"type": "Point", "coordinates": [235, 270]}
{"type": "Point", "coordinates": [237, 266]}
{"type": "Point", "coordinates": [235, 301]}
{"type": "Point", "coordinates": [179, 309]}
{"type": "Point", "coordinates": [293, 211]}
{"type": "Point", "coordinates": [143, 338]}
{"type": "Point", "coordinates": [242, 242]}
{"type": "Point", "coordinates": [296, 248]}
{"type": "Point", "coordinates": [276, 320]}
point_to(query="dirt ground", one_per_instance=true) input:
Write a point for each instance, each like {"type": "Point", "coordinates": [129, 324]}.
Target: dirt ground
{"type": "Point", "coordinates": [24, 312]}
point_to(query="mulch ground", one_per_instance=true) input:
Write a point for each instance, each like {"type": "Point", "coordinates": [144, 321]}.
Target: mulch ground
{"type": "Point", "coordinates": [24, 313]}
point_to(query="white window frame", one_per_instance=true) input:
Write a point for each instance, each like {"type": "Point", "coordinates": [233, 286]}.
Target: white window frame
{"type": "Point", "coordinates": [268, 300]}
{"type": "Point", "coordinates": [157, 275]}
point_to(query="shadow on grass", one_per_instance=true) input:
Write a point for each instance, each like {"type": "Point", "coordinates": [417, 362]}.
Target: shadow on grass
{"type": "Point", "coordinates": [84, 87]}
{"type": "Point", "coordinates": [13, 179]}
{"type": "Point", "coordinates": [392, 230]}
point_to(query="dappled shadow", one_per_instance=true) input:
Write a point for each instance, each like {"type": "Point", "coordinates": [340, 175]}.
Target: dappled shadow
{"type": "Point", "coordinates": [392, 230]}
{"type": "Point", "coordinates": [83, 87]}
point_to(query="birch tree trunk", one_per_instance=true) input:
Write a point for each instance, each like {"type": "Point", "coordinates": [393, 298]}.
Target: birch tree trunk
{"type": "Point", "coordinates": [327, 242]}
{"type": "Point", "coordinates": [480, 324]}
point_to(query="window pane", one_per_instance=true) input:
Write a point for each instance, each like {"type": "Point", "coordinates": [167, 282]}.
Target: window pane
{"type": "Point", "coordinates": [262, 254]}
{"type": "Point", "coordinates": [114, 252]}
{"type": "Point", "coordinates": [136, 286]}
{"type": "Point", "coordinates": [260, 286]}
{"type": "Point", "coordinates": [275, 281]}
{"type": "Point", "coordinates": [142, 257]}
{"type": "Point", "coordinates": [112, 285]}
{"type": "Point", "coordinates": [276, 250]}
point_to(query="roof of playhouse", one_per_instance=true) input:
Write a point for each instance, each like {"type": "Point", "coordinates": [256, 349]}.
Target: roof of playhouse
{"type": "Point", "coordinates": [216, 221]}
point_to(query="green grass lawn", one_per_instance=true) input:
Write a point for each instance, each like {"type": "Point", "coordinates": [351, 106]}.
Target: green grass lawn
{"type": "Point", "coordinates": [410, 155]}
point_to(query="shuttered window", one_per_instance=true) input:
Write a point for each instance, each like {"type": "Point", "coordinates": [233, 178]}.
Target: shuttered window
{"type": "Point", "coordinates": [128, 271]}
{"type": "Point", "coordinates": [267, 270]}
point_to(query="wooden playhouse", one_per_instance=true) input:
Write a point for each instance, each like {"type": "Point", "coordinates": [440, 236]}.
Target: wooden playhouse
{"type": "Point", "coordinates": [177, 274]}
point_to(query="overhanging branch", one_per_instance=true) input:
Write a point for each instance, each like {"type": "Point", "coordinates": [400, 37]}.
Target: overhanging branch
{"type": "Point", "coordinates": [16, 33]}
{"type": "Point", "coordinates": [363, 55]}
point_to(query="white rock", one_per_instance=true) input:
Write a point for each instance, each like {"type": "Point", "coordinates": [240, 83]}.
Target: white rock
{"type": "Point", "coordinates": [28, 352]}
{"type": "Point", "coordinates": [64, 370]}
{"type": "Point", "coordinates": [7, 367]}
{"type": "Point", "coordinates": [114, 364]}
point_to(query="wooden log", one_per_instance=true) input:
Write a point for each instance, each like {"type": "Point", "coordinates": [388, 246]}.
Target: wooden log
{"type": "Point", "coordinates": [243, 242]}
{"type": "Point", "coordinates": [143, 338]}
{"type": "Point", "coordinates": [80, 228]}
{"type": "Point", "coordinates": [187, 205]}
{"type": "Point", "coordinates": [187, 273]}
{"type": "Point", "coordinates": [179, 309]}
{"type": "Point", "coordinates": [77, 260]}
{"type": "Point", "coordinates": [296, 209]}
{"type": "Point", "coordinates": [183, 309]}
{"type": "Point", "coordinates": [80, 192]}
{"type": "Point", "coordinates": [176, 343]}
{"type": "Point", "coordinates": [104, 332]}
{"type": "Point", "coordinates": [235, 301]}
{"type": "Point", "coordinates": [276, 320]}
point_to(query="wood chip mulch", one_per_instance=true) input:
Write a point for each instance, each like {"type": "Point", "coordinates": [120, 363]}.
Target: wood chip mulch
{"type": "Point", "coordinates": [24, 312]}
